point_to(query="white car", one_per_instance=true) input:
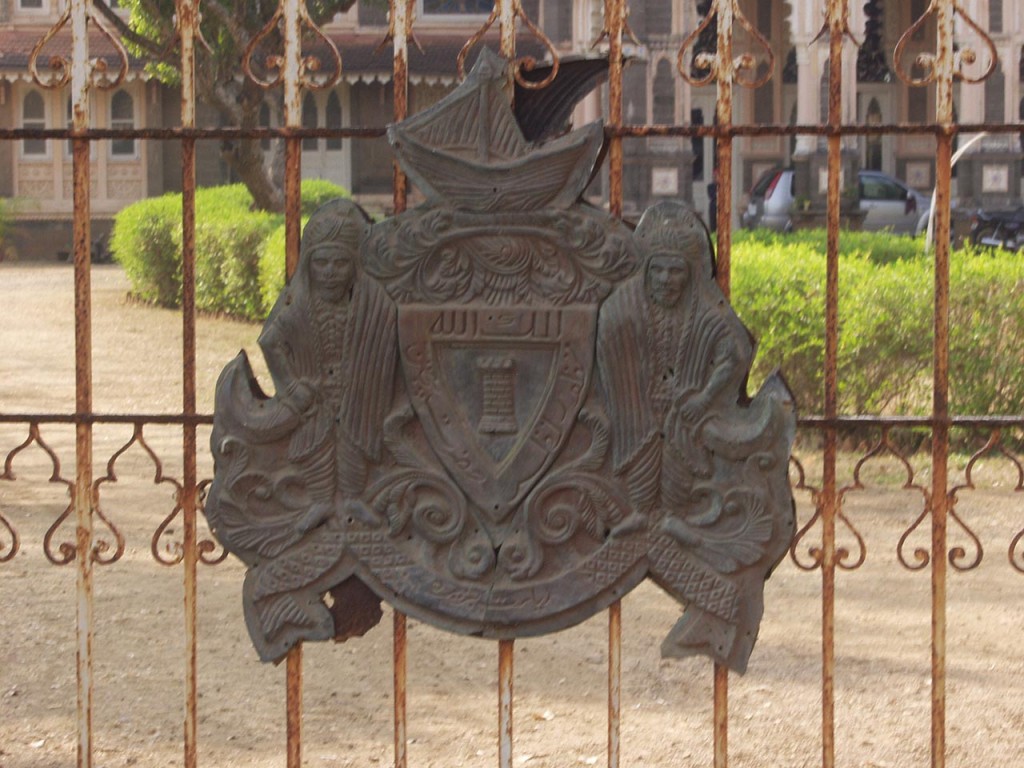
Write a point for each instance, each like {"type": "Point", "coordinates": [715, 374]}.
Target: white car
{"type": "Point", "coordinates": [887, 203]}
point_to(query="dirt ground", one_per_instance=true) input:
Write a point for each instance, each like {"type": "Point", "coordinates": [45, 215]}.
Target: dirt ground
{"type": "Point", "coordinates": [882, 612]}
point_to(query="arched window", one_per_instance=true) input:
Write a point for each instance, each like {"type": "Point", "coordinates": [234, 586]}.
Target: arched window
{"type": "Point", "coordinates": [664, 108]}
{"type": "Point", "coordinates": [873, 141]}
{"type": "Point", "coordinates": [264, 122]}
{"type": "Point", "coordinates": [332, 117]}
{"type": "Point", "coordinates": [917, 97]}
{"type": "Point", "coordinates": [1020, 116]}
{"type": "Point", "coordinates": [310, 119]}
{"type": "Point", "coordinates": [764, 98]}
{"type": "Point", "coordinates": [995, 15]}
{"type": "Point", "coordinates": [33, 118]}
{"type": "Point", "coordinates": [995, 96]}
{"type": "Point", "coordinates": [122, 118]}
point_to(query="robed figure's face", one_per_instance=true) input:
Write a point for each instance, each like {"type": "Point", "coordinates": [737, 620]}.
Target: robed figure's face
{"type": "Point", "coordinates": [667, 278]}
{"type": "Point", "coordinates": [332, 270]}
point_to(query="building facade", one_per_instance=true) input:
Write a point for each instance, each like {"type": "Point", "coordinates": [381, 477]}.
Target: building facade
{"type": "Point", "coordinates": [35, 173]}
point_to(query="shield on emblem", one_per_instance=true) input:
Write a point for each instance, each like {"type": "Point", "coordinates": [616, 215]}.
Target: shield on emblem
{"type": "Point", "coordinates": [497, 390]}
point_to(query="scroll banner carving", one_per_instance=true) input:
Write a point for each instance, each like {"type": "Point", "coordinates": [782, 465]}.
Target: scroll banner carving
{"type": "Point", "coordinates": [502, 410]}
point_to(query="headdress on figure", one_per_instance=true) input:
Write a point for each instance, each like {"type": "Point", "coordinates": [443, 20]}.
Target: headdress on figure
{"type": "Point", "coordinates": [673, 227]}
{"type": "Point", "coordinates": [338, 222]}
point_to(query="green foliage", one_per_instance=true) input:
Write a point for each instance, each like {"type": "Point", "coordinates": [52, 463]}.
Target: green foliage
{"type": "Point", "coordinates": [272, 264]}
{"type": "Point", "coordinates": [5, 217]}
{"type": "Point", "coordinates": [239, 251]}
{"type": "Point", "coordinates": [146, 241]}
{"type": "Point", "coordinates": [986, 332]}
{"type": "Point", "coordinates": [885, 322]}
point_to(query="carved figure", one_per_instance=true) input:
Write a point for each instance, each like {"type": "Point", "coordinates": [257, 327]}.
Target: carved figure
{"type": "Point", "coordinates": [329, 343]}
{"type": "Point", "coordinates": [673, 360]}
{"type": "Point", "coordinates": [671, 353]}
{"type": "Point", "coordinates": [330, 346]}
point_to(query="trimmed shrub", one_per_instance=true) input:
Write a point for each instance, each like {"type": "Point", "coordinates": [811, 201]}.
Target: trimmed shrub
{"type": "Point", "coordinates": [986, 320]}
{"type": "Point", "coordinates": [234, 272]}
{"type": "Point", "coordinates": [885, 323]}
{"type": "Point", "coordinates": [146, 241]}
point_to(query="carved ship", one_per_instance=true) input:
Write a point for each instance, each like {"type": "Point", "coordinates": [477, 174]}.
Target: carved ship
{"type": "Point", "coordinates": [468, 150]}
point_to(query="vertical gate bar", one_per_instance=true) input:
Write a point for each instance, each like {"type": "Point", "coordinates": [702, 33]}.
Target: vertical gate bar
{"type": "Point", "coordinates": [401, 665]}
{"type": "Point", "coordinates": [721, 715]}
{"type": "Point", "coordinates": [506, 654]}
{"type": "Point", "coordinates": [507, 22]}
{"type": "Point", "coordinates": [187, 19]}
{"type": "Point", "coordinates": [614, 24]}
{"type": "Point", "coordinates": [291, 72]}
{"type": "Point", "coordinates": [293, 695]}
{"type": "Point", "coordinates": [402, 15]}
{"type": "Point", "coordinates": [292, 67]}
{"type": "Point", "coordinates": [944, 71]}
{"type": "Point", "coordinates": [614, 682]}
{"type": "Point", "coordinates": [723, 114]}
{"type": "Point", "coordinates": [83, 499]}
{"type": "Point", "coordinates": [837, 14]}
{"type": "Point", "coordinates": [723, 272]}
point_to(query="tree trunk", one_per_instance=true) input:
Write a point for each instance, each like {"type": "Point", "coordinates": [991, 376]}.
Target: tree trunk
{"type": "Point", "coordinates": [245, 157]}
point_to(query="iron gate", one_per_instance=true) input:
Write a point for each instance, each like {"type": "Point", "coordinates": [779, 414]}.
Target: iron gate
{"type": "Point", "coordinates": [724, 66]}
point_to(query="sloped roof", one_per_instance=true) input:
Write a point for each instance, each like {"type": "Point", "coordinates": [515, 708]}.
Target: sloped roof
{"type": "Point", "coordinates": [361, 59]}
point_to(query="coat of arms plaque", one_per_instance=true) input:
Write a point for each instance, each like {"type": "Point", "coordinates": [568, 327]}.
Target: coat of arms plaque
{"type": "Point", "coordinates": [501, 410]}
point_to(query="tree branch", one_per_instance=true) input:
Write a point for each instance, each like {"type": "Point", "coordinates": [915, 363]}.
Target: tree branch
{"type": "Point", "coordinates": [153, 47]}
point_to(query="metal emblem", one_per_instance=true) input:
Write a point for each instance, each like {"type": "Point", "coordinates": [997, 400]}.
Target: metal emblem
{"type": "Point", "coordinates": [502, 410]}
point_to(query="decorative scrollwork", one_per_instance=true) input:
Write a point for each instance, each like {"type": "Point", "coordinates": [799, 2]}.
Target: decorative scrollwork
{"type": "Point", "coordinates": [138, 438]}
{"type": "Point", "coordinates": [524, 63]}
{"type": "Point", "coordinates": [60, 66]}
{"type": "Point", "coordinates": [8, 550]}
{"type": "Point", "coordinates": [817, 556]}
{"type": "Point", "coordinates": [928, 62]}
{"type": "Point", "coordinates": [744, 62]}
{"type": "Point", "coordinates": [309, 66]}
{"type": "Point", "coordinates": [99, 69]}
{"type": "Point", "coordinates": [993, 447]}
{"type": "Point", "coordinates": [210, 550]}
{"type": "Point", "coordinates": [102, 546]}
{"type": "Point", "coordinates": [67, 549]}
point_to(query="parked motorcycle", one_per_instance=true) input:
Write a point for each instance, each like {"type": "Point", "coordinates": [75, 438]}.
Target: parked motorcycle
{"type": "Point", "coordinates": [998, 229]}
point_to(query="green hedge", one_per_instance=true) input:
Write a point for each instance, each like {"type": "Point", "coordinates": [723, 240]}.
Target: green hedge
{"type": "Point", "coordinates": [885, 322]}
{"type": "Point", "coordinates": [235, 270]}
{"type": "Point", "coordinates": [778, 289]}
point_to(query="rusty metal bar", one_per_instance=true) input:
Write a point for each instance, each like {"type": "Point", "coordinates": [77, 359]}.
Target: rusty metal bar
{"type": "Point", "coordinates": [625, 130]}
{"type": "Point", "coordinates": [187, 22]}
{"type": "Point", "coordinates": [837, 15]}
{"type": "Point", "coordinates": [83, 490]}
{"type": "Point", "coordinates": [401, 666]}
{"type": "Point", "coordinates": [293, 700]}
{"type": "Point", "coordinates": [291, 70]}
{"type": "Point", "coordinates": [721, 714]}
{"type": "Point", "coordinates": [944, 71]}
{"type": "Point", "coordinates": [614, 26]}
{"type": "Point", "coordinates": [506, 656]}
{"type": "Point", "coordinates": [507, 22]}
{"type": "Point", "coordinates": [402, 18]}
{"type": "Point", "coordinates": [725, 81]}
{"type": "Point", "coordinates": [723, 113]}
{"type": "Point", "coordinates": [807, 422]}
{"type": "Point", "coordinates": [614, 683]}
